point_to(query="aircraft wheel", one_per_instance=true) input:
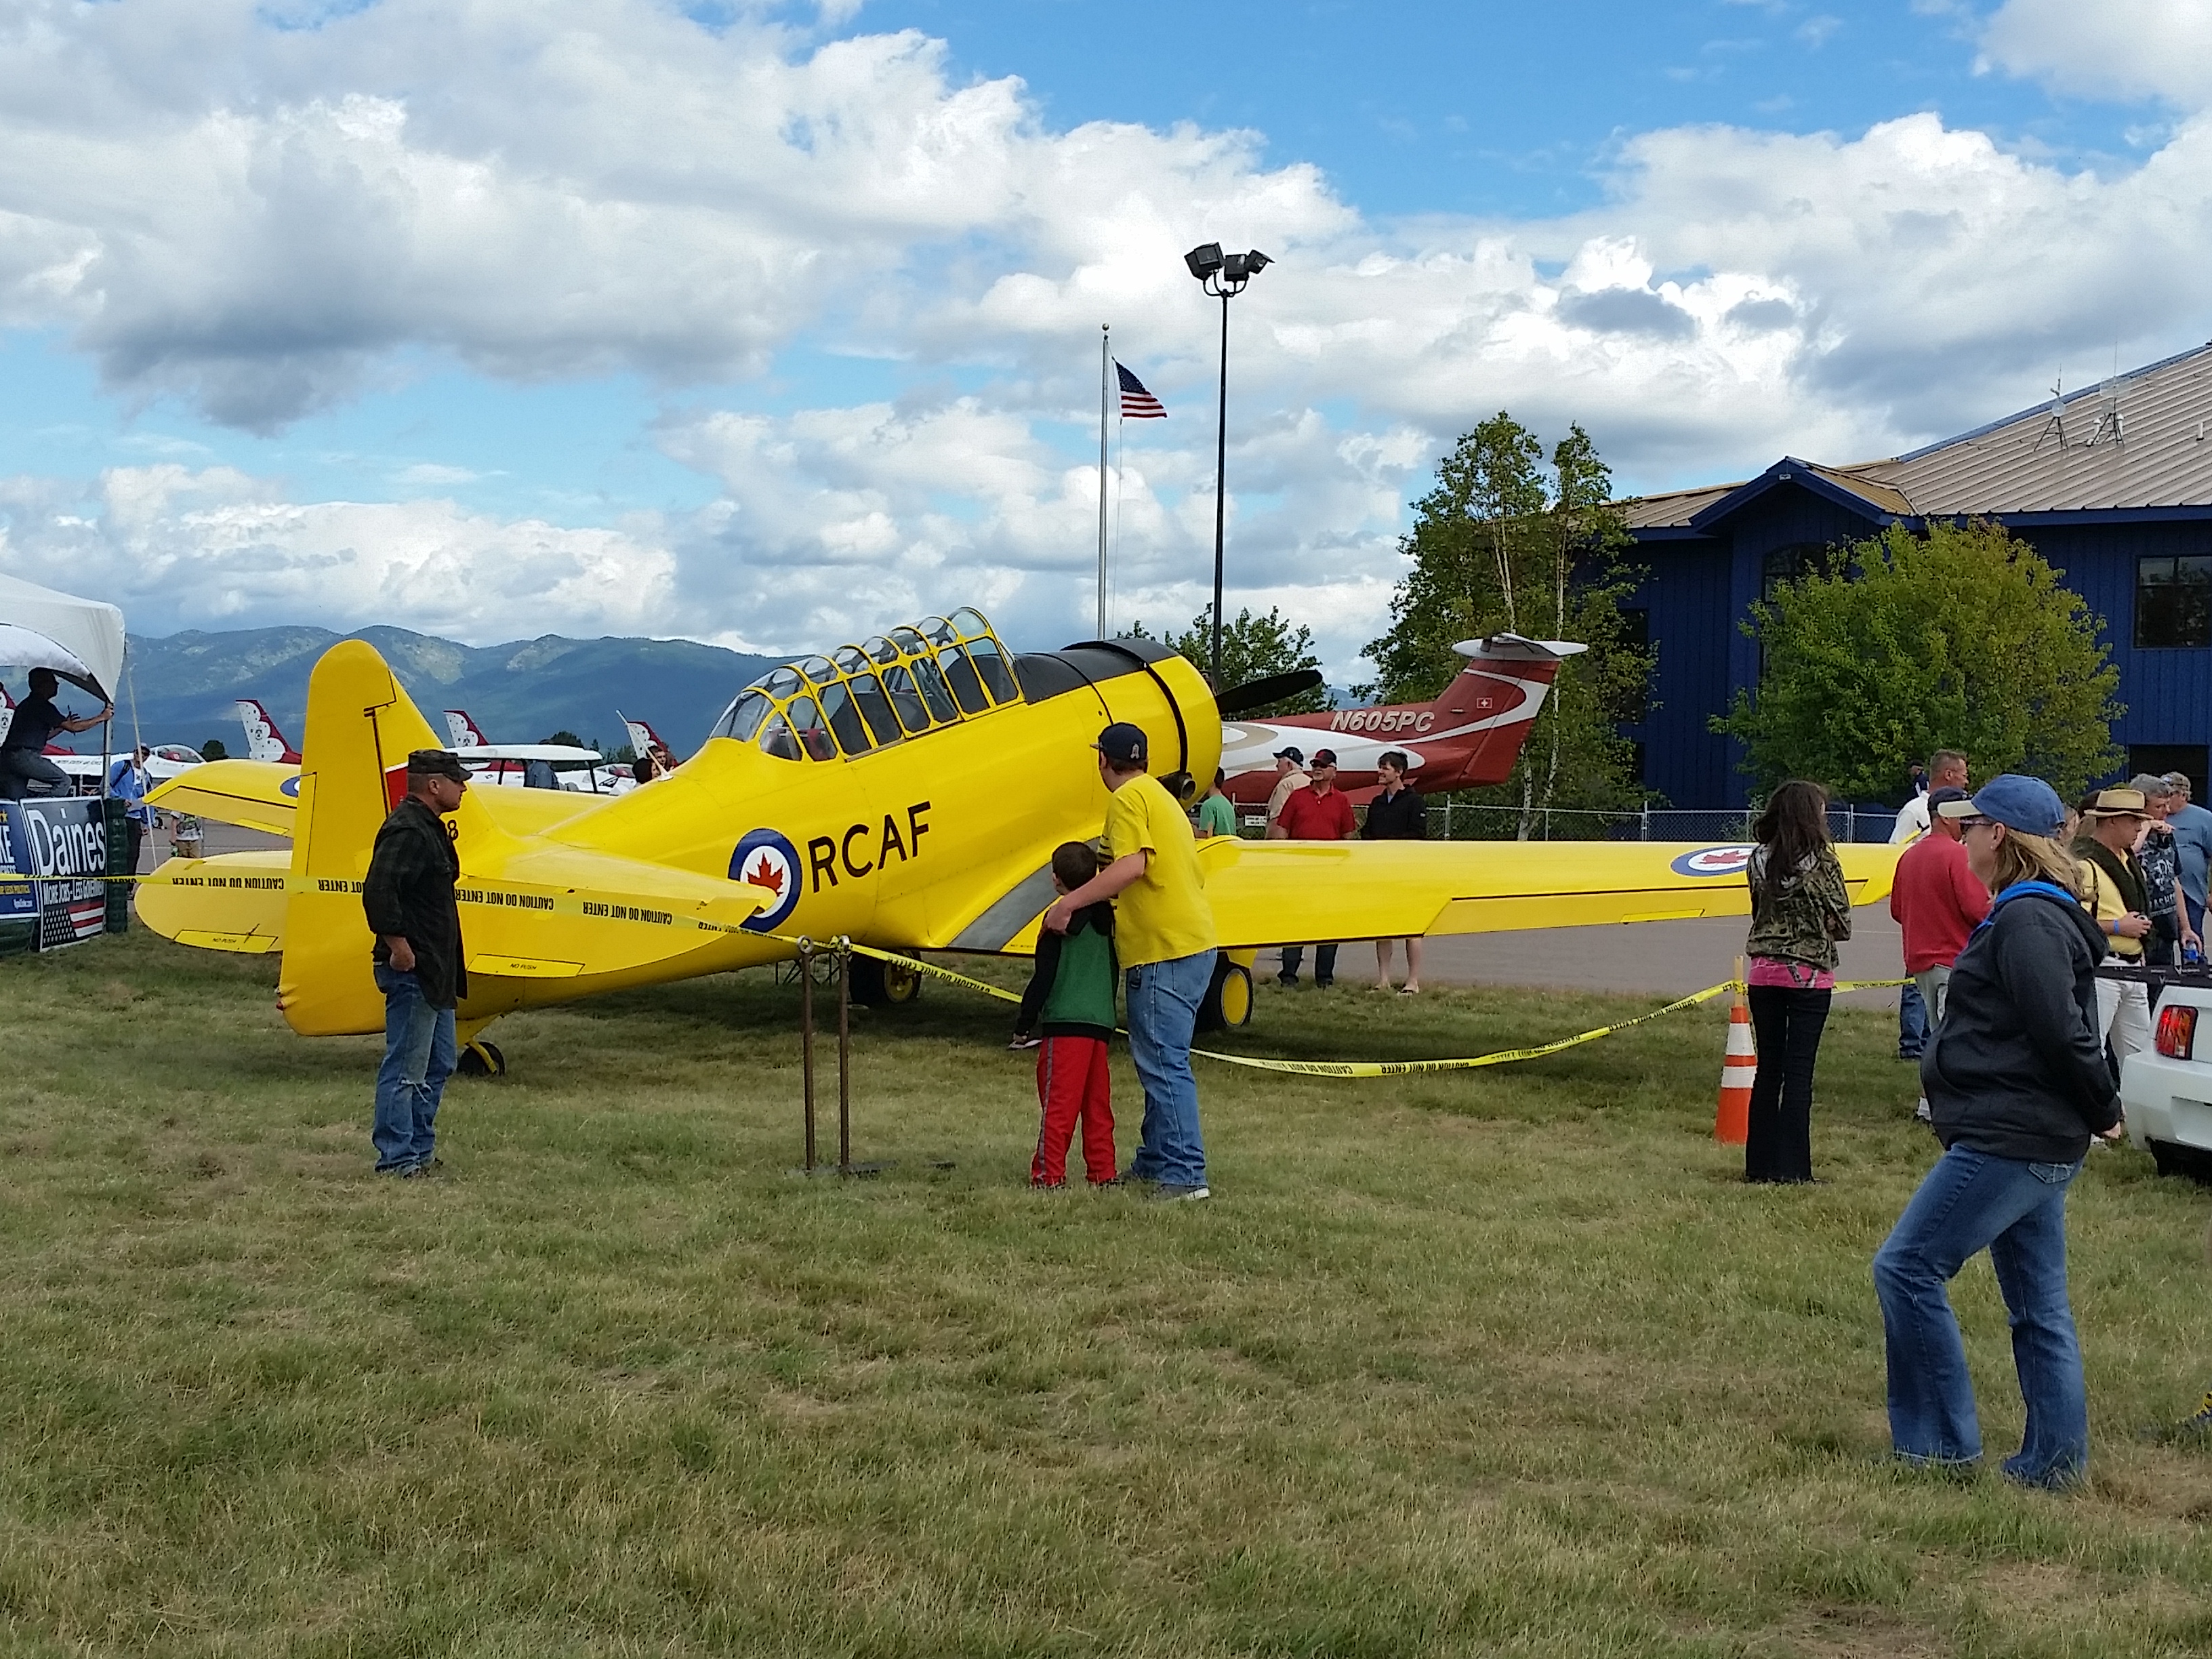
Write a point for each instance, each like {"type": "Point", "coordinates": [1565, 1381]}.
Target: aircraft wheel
{"type": "Point", "coordinates": [480, 1059]}
{"type": "Point", "coordinates": [1228, 1004]}
{"type": "Point", "coordinates": [884, 984]}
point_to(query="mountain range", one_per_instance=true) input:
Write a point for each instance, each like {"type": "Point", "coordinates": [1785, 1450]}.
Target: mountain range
{"type": "Point", "coordinates": [183, 684]}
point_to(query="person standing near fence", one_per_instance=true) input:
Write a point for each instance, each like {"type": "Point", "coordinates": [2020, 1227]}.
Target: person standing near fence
{"type": "Point", "coordinates": [2170, 934]}
{"type": "Point", "coordinates": [1397, 814]}
{"type": "Point", "coordinates": [2017, 1081]}
{"type": "Point", "coordinates": [2112, 891]}
{"type": "Point", "coordinates": [1947, 769]}
{"type": "Point", "coordinates": [1799, 908]}
{"type": "Point", "coordinates": [1321, 811]}
{"type": "Point", "coordinates": [2192, 845]}
{"type": "Point", "coordinates": [1937, 901]}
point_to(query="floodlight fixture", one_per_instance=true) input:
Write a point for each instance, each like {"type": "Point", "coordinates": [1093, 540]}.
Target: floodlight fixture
{"type": "Point", "coordinates": [1223, 276]}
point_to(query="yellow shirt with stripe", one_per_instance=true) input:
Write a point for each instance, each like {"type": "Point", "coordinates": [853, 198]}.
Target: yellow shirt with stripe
{"type": "Point", "coordinates": [1163, 914]}
{"type": "Point", "coordinates": [2100, 896]}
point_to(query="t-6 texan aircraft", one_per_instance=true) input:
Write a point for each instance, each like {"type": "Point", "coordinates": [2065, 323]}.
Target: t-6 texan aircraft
{"type": "Point", "coordinates": [1469, 736]}
{"type": "Point", "coordinates": [908, 792]}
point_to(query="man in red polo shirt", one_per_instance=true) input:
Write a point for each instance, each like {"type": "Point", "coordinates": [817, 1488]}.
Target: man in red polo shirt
{"type": "Point", "coordinates": [1937, 900]}
{"type": "Point", "coordinates": [1318, 812]}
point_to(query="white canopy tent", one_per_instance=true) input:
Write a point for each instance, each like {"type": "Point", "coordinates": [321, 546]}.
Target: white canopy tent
{"type": "Point", "coordinates": [81, 639]}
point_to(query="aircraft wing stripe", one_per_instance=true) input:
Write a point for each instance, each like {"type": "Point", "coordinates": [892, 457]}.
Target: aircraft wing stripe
{"type": "Point", "coordinates": [1021, 905]}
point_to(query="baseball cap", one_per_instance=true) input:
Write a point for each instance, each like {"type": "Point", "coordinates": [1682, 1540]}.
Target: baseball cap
{"type": "Point", "coordinates": [1122, 743]}
{"type": "Point", "coordinates": [2118, 804]}
{"type": "Point", "coordinates": [1295, 756]}
{"type": "Point", "coordinates": [1324, 757]}
{"type": "Point", "coordinates": [436, 763]}
{"type": "Point", "coordinates": [1937, 797]}
{"type": "Point", "coordinates": [2028, 805]}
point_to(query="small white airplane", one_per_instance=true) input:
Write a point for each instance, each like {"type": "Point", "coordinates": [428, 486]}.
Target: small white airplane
{"type": "Point", "coordinates": [508, 764]}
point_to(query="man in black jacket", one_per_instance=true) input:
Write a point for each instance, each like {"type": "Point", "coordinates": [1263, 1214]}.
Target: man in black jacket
{"type": "Point", "coordinates": [409, 896]}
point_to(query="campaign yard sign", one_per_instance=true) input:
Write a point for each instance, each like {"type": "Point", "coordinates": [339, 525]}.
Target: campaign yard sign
{"type": "Point", "coordinates": [67, 837]}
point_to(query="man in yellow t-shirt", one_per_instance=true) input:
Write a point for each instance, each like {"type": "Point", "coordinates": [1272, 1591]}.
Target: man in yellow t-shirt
{"type": "Point", "coordinates": [2112, 888]}
{"type": "Point", "coordinates": [1164, 934]}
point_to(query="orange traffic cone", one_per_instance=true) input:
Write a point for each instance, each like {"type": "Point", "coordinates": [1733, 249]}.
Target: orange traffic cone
{"type": "Point", "coordinates": [1732, 1118]}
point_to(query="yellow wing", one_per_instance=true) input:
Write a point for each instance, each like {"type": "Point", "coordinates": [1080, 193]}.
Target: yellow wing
{"type": "Point", "coordinates": [259, 794]}
{"type": "Point", "coordinates": [1265, 892]}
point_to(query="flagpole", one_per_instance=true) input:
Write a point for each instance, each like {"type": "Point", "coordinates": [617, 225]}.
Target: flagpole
{"type": "Point", "coordinates": [1105, 351]}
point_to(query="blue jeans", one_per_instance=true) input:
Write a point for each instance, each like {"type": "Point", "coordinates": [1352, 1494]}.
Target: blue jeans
{"type": "Point", "coordinates": [418, 1058]}
{"type": "Point", "coordinates": [1294, 957]}
{"type": "Point", "coordinates": [1163, 1011]}
{"type": "Point", "coordinates": [2016, 1211]}
{"type": "Point", "coordinates": [1911, 1024]}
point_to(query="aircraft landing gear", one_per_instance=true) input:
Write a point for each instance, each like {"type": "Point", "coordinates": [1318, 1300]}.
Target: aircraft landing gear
{"type": "Point", "coordinates": [1228, 1004]}
{"type": "Point", "coordinates": [480, 1058]}
{"type": "Point", "coordinates": [884, 984]}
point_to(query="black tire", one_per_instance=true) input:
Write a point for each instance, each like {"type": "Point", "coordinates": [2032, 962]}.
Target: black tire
{"type": "Point", "coordinates": [879, 984]}
{"type": "Point", "coordinates": [2187, 1161]}
{"type": "Point", "coordinates": [480, 1059]}
{"type": "Point", "coordinates": [1228, 1004]}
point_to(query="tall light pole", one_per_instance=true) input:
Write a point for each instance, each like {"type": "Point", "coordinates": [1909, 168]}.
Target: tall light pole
{"type": "Point", "coordinates": [1223, 275]}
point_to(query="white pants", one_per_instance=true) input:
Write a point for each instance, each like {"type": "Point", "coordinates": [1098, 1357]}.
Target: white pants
{"type": "Point", "coordinates": [2122, 1013]}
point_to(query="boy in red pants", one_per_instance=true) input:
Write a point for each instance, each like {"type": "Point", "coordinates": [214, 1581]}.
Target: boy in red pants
{"type": "Point", "coordinates": [1071, 996]}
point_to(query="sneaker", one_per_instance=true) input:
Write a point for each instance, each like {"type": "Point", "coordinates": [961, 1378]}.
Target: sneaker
{"type": "Point", "coordinates": [1288, 982]}
{"type": "Point", "coordinates": [1323, 984]}
{"type": "Point", "coordinates": [1111, 1181]}
{"type": "Point", "coordinates": [1173, 1192]}
{"type": "Point", "coordinates": [1048, 1186]}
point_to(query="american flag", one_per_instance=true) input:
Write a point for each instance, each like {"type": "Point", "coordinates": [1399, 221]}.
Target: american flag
{"type": "Point", "coordinates": [1137, 403]}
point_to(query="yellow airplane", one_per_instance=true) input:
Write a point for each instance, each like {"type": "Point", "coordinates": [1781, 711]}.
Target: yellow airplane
{"type": "Point", "coordinates": [907, 792]}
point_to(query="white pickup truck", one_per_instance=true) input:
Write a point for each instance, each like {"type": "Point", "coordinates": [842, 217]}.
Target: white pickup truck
{"type": "Point", "coordinates": [2166, 1090]}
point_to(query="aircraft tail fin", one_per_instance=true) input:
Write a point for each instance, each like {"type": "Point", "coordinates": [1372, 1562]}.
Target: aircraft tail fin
{"type": "Point", "coordinates": [7, 711]}
{"type": "Point", "coordinates": [263, 742]}
{"type": "Point", "coordinates": [361, 727]}
{"type": "Point", "coordinates": [466, 734]}
{"type": "Point", "coordinates": [643, 740]}
{"type": "Point", "coordinates": [1495, 701]}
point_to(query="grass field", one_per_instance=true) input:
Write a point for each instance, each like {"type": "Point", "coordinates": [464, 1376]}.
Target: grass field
{"type": "Point", "coordinates": [1501, 1362]}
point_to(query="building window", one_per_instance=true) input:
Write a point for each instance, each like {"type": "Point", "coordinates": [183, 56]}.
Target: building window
{"type": "Point", "coordinates": [1784, 565]}
{"type": "Point", "coordinates": [1634, 705]}
{"type": "Point", "coordinates": [2173, 601]}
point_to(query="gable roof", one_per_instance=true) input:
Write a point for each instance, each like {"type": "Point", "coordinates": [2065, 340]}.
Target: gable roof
{"type": "Point", "coordinates": [2142, 440]}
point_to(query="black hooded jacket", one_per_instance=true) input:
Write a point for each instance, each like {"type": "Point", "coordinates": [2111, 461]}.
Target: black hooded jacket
{"type": "Point", "coordinates": [2017, 1069]}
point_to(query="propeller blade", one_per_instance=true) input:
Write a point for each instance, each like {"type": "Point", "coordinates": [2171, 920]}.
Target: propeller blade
{"type": "Point", "coordinates": [1258, 694]}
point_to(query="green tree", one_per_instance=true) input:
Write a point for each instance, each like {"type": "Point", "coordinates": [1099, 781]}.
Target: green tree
{"type": "Point", "coordinates": [1961, 639]}
{"type": "Point", "coordinates": [212, 749]}
{"type": "Point", "coordinates": [1508, 543]}
{"type": "Point", "coordinates": [566, 737]}
{"type": "Point", "coordinates": [1252, 649]}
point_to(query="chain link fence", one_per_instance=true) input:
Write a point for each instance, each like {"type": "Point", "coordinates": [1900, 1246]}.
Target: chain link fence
{"type": "Point", "coordinates": [1461, 821]}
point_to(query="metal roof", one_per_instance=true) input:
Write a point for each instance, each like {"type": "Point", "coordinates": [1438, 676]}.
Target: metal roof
{"type": "Point", "coordinates": [2064, 455]}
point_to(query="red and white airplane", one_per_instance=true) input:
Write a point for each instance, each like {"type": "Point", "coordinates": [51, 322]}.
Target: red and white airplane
{"type": "Point", "coordinates": [1467, 736]}
{"type": "Point", "coordinates": [263, 742]}
{"type": "Point", "coordinates": [644, 740]}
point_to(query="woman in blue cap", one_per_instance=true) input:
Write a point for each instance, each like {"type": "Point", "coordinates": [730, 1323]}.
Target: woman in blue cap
{"type": "Point", "coordinates": [2017, 1082]}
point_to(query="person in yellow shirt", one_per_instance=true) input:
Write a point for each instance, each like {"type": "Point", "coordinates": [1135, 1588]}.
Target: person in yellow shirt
{"type": "Point", "coordinates": [2113, 892]}
{"type": "Point", "coordinates": [1164, 933]}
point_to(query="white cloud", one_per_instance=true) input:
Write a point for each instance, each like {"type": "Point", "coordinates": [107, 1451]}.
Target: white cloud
{"type": "Point", "coordinates": [216, 548]}
{"type": "Point", "coordinates": [258, 219]}
{"type": "Point", "coordinates": [2124, 48]}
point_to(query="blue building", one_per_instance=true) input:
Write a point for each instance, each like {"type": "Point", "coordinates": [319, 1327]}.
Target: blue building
{"type": "Point", "coordinates": [2113, 486]}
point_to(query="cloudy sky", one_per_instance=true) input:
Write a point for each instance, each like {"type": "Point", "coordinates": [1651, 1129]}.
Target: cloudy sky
{"type": "Point", "coordinates": [772, 323]}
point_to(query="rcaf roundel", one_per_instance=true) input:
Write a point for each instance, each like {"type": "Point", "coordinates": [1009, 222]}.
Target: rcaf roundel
{"type": "Point", "coordinates": [766, 859]}
{"type": "Point", "coordinates": [1713, 861]}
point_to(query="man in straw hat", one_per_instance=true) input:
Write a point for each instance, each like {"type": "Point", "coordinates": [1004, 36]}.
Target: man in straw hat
{"type": "Point", "coordinates": [409, 896]}
{"type": "Point", "coordinates": [2113, 890]}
